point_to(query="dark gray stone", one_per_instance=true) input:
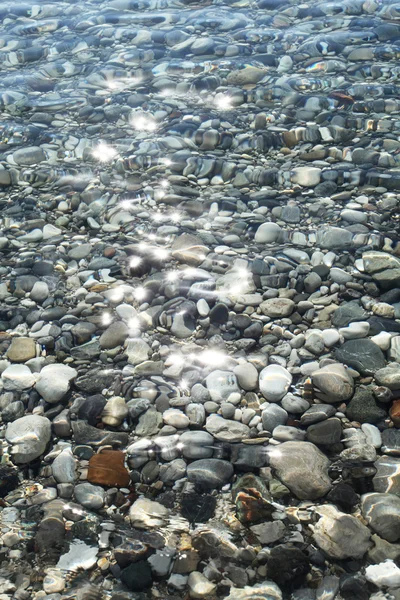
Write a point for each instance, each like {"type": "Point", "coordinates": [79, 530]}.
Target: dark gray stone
{"type": "Point", "coordinates": [363, 355]}
{"type": "Point", "coordinates": [210, 473]}
{"type": "Point", "coordinates": [325, 433]}
{"type": "Point", "coordinates": [363, 408]}
{"type": "Point", "coordinates": [348, 313]}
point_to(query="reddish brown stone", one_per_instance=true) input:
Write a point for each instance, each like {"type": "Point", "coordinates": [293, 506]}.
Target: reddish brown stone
{"type": "Point", "coordinates": [109, 252]}
{"type": "Point", "coordinates": [395, 413]}
{"type": "Point", "coordinates": [107, 468]}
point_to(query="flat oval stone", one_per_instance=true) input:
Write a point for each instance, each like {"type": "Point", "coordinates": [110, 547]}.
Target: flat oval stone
{"type": "Point", "coordinates": [196, 444]}
{"type": "Point", "coordinates": [64, 467]}
{"type": "Point", "coordinates": [325, 433]}
{"type": "Point", "coordinates": [302, 468]}
{"type": "Point", "coordinates": [226, 430]}
{"type": "Point", "coordinates": [363, 355]}
{"type": "Point", "coordinates": [210, 473]}
{"type": "Point", "coordinates": [267, 233]}
{"type": "Point", "coordinates": [277, 307]}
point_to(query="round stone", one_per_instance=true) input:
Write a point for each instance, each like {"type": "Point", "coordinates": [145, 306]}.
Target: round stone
{"type": "Point", "coordinates": [17, 378]}
{"type": "Point", "coordinates": [333, 383]}
{"type": "Point", "coordinates": [222, 386]}
{"type": "Point", "coordinates": [363, 355]}
{"type": "Point", "coordinates": [274, 382]}
{"type": "Point", "coordinates": [247, 376]}
{"type": "Point", "coordinates": [267, 233]}
{"type": "Point", "coordinates": [176, 418]}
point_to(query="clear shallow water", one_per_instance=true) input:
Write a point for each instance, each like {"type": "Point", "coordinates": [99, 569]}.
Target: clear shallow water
{"type": "Point", "coordinates": [188, 192]}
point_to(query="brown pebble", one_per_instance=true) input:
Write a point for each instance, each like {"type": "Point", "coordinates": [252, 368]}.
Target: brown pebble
{"type": "Point", "coordinates": [107, 468]}
{"type": "Point", "coordinates": [395, 413]}
{"type": "Point", "coordinates": [109, 252]}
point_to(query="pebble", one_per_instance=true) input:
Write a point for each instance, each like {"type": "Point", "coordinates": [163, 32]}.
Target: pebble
{"type": "Point", "coordinates": [273, 416]}
{"type": "Point", "coordinates": [196, 444]}
{"type": "Point", "coordinates": [54, 382]}
{"type": "Point", "coordinates": [64, 467]}
{"type": "Point", "coordinates": [274, 382]}
{"type": "Point", "coordinates": [267, 233]}
{"type": "Point", "coordinates": [21, 350]}
{"type": "Point", "coordinates": [90, 496]}
{"type": "Point", "coordinates": [200, 586]}
{"type": "Point", "coordinates": [362, 355]}
{"type": "Point", "coordinates": [226, 430]}
{"type": "Point", "coordinates": [333, 382]}
{"type": "Point", "coordinates": [145, 513]}
{"type": "Point", "coordinates": [307, 477]}
{"type": "Point", "coordinates": [222, 386]}
{"type": "Point", "coordinates": [17, 378]}
{"type": "Point", "coordinates": [247, 376]}
{"type": "Point", "coordinates": [277, 307]}
{"type": "Point", "coordinates": [209, 473]}
{"type": "Point", "coordinates": [29, 437]}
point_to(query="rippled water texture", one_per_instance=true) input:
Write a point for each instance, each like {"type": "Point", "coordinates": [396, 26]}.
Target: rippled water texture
{"type": "Point", "coordinates": [241, 93]}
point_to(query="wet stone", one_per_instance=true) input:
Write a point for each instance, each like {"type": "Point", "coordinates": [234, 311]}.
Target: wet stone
{"type": "Point", "coordinates": [287, 566]}
{"type": "Point", "coordinates": [222, 386]}
{"type": "Point", "coordinates": [325, 433]}
{"type": "Point", "coordinates": [197, 508]}
{"type": "Point", "coordinates": [89, 496]}
{"type": "Point", "coordinates": [107, 469]}
{"type": "Point", "coordinates": [307, 476]}
{"type": "Point", "coordinates": [333, 383]}
{"type": "Point", "coordinates": [382, 511]}
{"type": "Point", "coordinates": [391, 441]}
{"type": "Point", "coordinates": [362, 355]}
{"type": "Point", "coordinates": [209, 473]}
{"type": "Point", "coordinates": [387, 476]}
{"type": "Point", "coordinates": [340, 535]}
{"type": "Point", "coordinates": [29, 437]}
{"type": "Point", "coordinates": [274, 382]}
{"type": "Point", "coordinates": [363, 408]}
